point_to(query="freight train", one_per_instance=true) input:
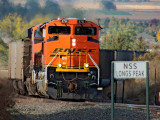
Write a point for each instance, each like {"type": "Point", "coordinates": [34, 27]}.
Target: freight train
{"type": "Point", "coordinates": [57, 59]}
{"type": "Point", "coordinates": [61, 59]}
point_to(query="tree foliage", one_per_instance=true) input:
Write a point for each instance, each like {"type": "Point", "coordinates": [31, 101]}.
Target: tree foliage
{"type": "Point", "coordinates": [3, 53]}
{"type": "Point", "coordinates": [38, 19]}
{"type": "Point", "coordinates": [108, 5]}
{"type": "Point", "coordinates": [13, 26]}
{"type": "Point", "coordinates": [52, 8]}
{"type": "Point", "coordinates": [140, 44]}
{"type": "Point", "coordinates": [121, 34]}
{"type": "Point", "coordinates": [30, 9]}
{"type": "Point", "coordinates": [69, 12]}
{"type": "Point", "coordinates": [120, 41]}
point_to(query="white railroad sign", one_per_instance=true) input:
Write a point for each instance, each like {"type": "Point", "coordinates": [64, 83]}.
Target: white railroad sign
{"type": "Point", "coordinates": [129, 69]}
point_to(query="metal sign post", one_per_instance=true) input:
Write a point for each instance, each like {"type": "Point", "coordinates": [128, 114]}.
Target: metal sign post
{"type": "Point", "coordinates": [147, 89]}
{"type": "Point", "coordinates": [155, 91]}
{"type": "Point", "coordinates": [128, 70]}
{"type": "Point", "coordinates": [112, 91]}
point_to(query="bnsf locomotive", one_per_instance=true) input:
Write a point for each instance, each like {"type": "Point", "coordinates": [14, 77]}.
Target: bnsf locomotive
{"type": "Point", "coordinates": [57, 59]}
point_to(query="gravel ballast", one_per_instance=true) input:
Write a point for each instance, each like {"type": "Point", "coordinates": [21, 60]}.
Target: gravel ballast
{"type": "Point", "coordinates": [64, 110]}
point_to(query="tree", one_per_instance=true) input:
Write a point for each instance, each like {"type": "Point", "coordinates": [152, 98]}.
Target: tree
{"type": "Point", "coordinates": [119, 41]}
{"type": "Point", "coordinates": [51, 8]}
{"type": "Point", "coordinates": [110, 41]}
{"type": "Point", "coordinates": [108, 5]}
{"type": "Point", "coordinates": [5, 8]}
{"type": "Point", "coordinates": [123, 40]}
{"type": "Point", "coordinates": [20, 10]}
{"type": "Point", "coordinates": [39, 19]}
{"type": "Point", "coordinates": [3, 52]}
{"type": "Point", "coordinates": [32, 8]}
{"type": "Point", "coordinates": [140, 44]}
{"type": "Point", "coordinates": [106, 22]}
{"type": "Point", "coordinates": [70, 12]}
{"type": "Point", "coordinates": [13, 26]}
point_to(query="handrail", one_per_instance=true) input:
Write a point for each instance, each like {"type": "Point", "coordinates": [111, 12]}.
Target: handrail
{"type": "Point", "coordinates": [79, 60]}
{"type": "Point", "coordinates": [79, 54]}
{"type": "Point", "coordinates": [50, 63]}
{"type": "Point", "coordinates": [67, 61]}
{"type": "Point", "coordinates": [96, 66]}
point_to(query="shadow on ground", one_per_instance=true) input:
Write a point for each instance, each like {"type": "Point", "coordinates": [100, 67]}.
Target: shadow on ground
{"type": "Point", "coordinates": [5, 96]}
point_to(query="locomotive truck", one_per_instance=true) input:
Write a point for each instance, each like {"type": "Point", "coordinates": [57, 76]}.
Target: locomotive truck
{"type": "Point", "coordinates": [57, 59]}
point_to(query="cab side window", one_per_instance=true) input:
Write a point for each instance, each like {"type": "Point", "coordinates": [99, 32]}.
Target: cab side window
{"type": "Point", "coordinates": [38, 37]}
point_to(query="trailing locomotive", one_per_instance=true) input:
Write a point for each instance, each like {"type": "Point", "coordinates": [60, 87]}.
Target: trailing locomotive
{"type": "Point", "coordinates": [57, 59]}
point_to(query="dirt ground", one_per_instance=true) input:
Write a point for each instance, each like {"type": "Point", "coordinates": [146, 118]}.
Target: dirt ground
{"type": "Point", "coordinates": [135, 95]}
{"type": "Point", "coordinates": [5, 95]}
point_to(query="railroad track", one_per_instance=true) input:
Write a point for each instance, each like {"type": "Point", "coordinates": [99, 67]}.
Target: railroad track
{"type": "Point", "coordinates": [152, 108]}
{"type": "Point", "coordinates": [100, 103]}
{"type": "Point", "coordinates": [61, 108]}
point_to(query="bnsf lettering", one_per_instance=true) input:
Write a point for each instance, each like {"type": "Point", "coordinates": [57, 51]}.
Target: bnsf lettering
{"type": "Point", "coordinates": [92, 50]}
{"type": "Point", "coordinates": [70, 51]}
{"type": "Point", "coordinates": [73, 50]}
{"type": "Point", "coordinates": [57, 50]}
{"type": "Point", "coordinates": [81, 50]}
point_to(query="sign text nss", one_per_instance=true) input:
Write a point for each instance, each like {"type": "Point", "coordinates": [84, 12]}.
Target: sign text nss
{"type": "Point", "coordinates": [129, 69]}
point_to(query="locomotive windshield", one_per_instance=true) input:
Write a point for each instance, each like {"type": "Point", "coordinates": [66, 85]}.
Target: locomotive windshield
{"type": "Point", "coordinates": [85, 31]}
{"type": "Point", "coordinates": [59, 30]}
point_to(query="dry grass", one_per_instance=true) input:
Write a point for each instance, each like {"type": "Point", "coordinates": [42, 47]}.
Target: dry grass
{"type": "Point", "coordinates": [135, 90]}
{"type": "Point", "coordinates": [87, 5]}
{"type": "Point", "coordinates": [137, 7]}
{"type": "Point", "coordinates": [120, 6]}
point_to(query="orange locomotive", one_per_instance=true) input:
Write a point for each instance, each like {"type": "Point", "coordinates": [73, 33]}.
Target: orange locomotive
{"type": "Point", "coordinates": [65, 59]}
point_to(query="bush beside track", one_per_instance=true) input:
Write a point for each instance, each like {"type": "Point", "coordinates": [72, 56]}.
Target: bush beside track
{"type": "Point", "coordinates": [135, 90]}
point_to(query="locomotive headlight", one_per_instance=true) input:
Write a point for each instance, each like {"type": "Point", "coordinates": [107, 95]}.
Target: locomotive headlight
{"type": "Point", "coordinates": [73, 42]}
{"type": "Point", "coordinates": [86, 65]}
{"type": "Point", "coordinates": [59, 65]}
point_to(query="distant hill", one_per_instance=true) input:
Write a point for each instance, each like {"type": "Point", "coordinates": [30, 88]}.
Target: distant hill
{"type": "Point", "coordinates": [93, 9]}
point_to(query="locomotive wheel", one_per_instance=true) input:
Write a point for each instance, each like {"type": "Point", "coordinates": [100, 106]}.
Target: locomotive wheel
{"type": "Point", "coordinates": [52, 92]}
{"type": "Point", "coordinates": [30, 87]}
{"type": "Point", "coordinates": [21, 87]}
{"type": "Point", "coordinates": [40, 89]}
{"type": "Point", "coordinates": [15, 86]}
{"type": "Point", "coordinates": [40, 94]}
